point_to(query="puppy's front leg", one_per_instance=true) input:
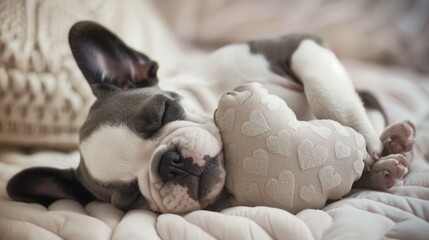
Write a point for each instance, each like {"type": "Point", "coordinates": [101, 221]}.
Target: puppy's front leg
{"type": "Point", "coordinates": [330, 92]}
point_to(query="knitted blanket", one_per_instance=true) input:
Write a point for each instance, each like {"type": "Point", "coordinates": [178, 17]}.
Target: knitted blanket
{"type": "Point", "coordinates": [400, 213]}
{"type": "Point", "coordinates": [44, 98]}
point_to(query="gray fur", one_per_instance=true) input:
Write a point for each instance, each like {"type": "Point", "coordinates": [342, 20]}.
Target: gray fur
{"type": "Point", "coordinates": [278, 52]}
{"type": "Point", "coordinates": [141, 110]}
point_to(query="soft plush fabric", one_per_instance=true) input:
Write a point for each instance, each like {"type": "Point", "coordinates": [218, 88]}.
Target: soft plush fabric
{"type": "Point", "coordinates": [272, 159]}
{"type": "Point", "coordinates": [44, 98]}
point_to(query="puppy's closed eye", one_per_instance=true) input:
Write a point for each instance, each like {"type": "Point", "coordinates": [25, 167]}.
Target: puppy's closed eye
{"type": "Point", "coordinates": [172, 112]}
{"type": "Point", "coordinates": [157, 112]}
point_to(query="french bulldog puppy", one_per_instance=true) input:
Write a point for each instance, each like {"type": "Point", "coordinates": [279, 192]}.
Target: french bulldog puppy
{"type": "Point", "coordinates": [154, 145]}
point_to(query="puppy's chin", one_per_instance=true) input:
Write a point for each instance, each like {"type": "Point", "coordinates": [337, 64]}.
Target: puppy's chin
{"type": "Point", "coordinates": [202, 173]}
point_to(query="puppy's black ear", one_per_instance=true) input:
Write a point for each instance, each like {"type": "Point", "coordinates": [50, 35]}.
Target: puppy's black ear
{"type": "Point", "coordinates": [45, 185]}
{"type": "Point", "coordinates": [106, 62]}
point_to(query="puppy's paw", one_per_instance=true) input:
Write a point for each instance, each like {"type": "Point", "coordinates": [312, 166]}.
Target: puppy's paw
{"type": "Point", "coordinates": [386, 172]}
{"type": "Point", "coordinates": [398, 138]}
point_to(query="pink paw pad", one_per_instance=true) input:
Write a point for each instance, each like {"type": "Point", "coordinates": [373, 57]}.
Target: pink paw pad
{"type": "Point", "coordinates": [391, 169]}
{"type": "Point", "coordinates": [399, 138]}
{"type": "Point", "coordinates": [390, 182]}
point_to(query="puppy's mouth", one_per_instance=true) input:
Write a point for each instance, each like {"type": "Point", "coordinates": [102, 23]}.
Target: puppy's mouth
{"type": "Point", "coordinates": [187, 171]}
{"type": "Point", "coordinates": [199, 180]}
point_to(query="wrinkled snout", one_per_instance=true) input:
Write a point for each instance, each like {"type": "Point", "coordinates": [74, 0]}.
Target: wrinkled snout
{"type": "Point", "coordinates": [171, 166]}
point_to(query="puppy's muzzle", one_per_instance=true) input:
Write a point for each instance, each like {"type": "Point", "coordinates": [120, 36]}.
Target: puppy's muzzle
{"type": "Point", "coordinates": [171, 166]}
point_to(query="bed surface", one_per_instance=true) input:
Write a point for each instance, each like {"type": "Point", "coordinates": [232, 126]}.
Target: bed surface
{"type": "Point", "coordinates": [401, 213]}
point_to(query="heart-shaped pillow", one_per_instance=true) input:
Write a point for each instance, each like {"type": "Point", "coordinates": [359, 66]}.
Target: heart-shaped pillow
{"type": "Point", "coordinates": [272, 159]}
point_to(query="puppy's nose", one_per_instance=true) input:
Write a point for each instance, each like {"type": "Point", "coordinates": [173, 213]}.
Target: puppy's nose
{"type": "Point", "coordinates": [171, 166]}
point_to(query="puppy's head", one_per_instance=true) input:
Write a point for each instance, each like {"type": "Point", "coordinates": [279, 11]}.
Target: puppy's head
{"type": "Point", "coordinates": [140, 146]}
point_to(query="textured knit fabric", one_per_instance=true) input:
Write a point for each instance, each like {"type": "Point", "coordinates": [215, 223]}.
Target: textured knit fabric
{"type": "Point", "coordinates": [44, 98]}
{"type": "Point", "coordinates": [271, 159]}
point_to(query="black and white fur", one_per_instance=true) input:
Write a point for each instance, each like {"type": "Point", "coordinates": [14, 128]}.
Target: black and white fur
{"type": "Point", "coordinates": [154, 145]}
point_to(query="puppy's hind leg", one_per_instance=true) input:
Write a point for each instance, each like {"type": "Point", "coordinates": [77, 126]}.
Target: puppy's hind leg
{"type": "Point", "coordinates": [398, 141]}
{"type": "Point", "coordinates": [330, 92]}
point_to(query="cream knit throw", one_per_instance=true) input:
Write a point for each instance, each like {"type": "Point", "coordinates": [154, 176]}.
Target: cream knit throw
{"type": "Point", "coordinates": [43, 96]}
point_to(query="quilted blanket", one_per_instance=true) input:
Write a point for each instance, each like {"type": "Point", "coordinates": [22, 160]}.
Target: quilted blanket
{"type": "Point", "coordinates": [400, 213]}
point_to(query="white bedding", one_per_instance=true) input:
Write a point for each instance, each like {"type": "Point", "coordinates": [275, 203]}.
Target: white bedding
{"type": "Point", "coordinates": [402, 213]}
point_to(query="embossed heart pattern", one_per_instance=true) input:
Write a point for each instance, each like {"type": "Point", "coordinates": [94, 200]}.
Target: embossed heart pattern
{"type": "Point", "coordinates": [289, 164]}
